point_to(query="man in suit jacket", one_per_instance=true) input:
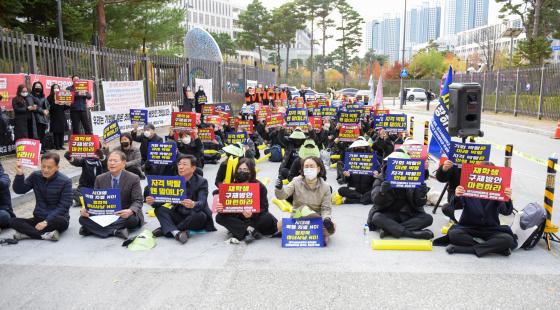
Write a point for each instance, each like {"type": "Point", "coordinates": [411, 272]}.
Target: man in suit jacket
{"type": "Point", "coordinates": [131, 200]}
{"type": "Point", "coordinates": [192, 213]}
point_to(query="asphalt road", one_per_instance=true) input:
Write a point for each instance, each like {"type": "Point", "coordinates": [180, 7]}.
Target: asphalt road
{"type": "Point", "coordinates": [89, 273]}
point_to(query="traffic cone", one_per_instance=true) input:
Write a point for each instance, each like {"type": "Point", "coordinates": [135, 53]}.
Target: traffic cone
{"type": "Point", "coordinates": [557, 133]}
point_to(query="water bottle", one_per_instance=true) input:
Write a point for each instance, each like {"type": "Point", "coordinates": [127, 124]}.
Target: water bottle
{"type": "Point", "coordinates": [366, 229]}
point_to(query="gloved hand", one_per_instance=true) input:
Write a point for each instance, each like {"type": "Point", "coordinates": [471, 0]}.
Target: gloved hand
{"type": "Point", "coordinates": [67, 155]}
{"type": "Point", "coordinates": [328, 224]}
{"type": "Point", "coordinates": [279, 183]}
{"type": "Point", "coordinates": [385, 187]}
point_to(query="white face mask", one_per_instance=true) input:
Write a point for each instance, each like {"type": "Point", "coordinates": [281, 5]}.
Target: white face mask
{"type": "Point", "coordinates": [327, 126]}
{"type": "Point", "coordinates": [24, 94]}
{"type": "Point", "coordinates": [310, 173]}
{"type": "Point", "coordinates": [186, 140]}
{"type": "Point", "coordinates": [147, 134]}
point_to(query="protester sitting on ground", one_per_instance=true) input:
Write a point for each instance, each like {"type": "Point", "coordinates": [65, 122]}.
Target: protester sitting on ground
{"type": "Point", "coordinates": [192, 213]}
{"type": "Point", "coordinates": [188, 143]}
{"type": "Point", "coordinates": [382, 145]}
{"type": "Point", "coordinates": [91, 168]}
{"type": "Point", "coordinates": [248, 226]}
{"type": "Point", "coordinates": [6, 211]}
{"type": "Point", "coordinates": [130, 216]}
{"type": "Point", "coordinates": [450, 174]}
{"type": "Point", "coordinates": [148, 135]}
{"type": "Point", "coordinates": [399, 212]}
{"type": "Point", "coordinates": [233, 153]}
{"type": "Point", "coordinates": [311, 194]}
{"type": "Point", "coordinates": [296, 139]}
{"type": "Point", "coordinates": [132, 153]}
{"type": "Point", "coordinates": [53, 198]}
{"type": "Point", "coordinates": [358, 188]}
{"type": "Point", "coordinates": [479, 231]}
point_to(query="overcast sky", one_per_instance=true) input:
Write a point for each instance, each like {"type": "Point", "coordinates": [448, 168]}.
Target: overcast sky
{"type": "Point", "coordinates": [370, 9]}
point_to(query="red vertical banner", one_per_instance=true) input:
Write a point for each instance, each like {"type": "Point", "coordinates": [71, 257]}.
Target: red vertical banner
{"type": "Point", "coordinates": [485, 182]}
{"type": "Point", "coordinates": [28, 152]}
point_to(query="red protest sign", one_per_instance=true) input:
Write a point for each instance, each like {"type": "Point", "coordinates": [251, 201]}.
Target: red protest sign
{"type": "Point", "coordinates": [485, 182]}
{"type": "Point", "coordinates": [240, 197]}
{"type": "Point", "coordinates": [315, 122]}
{"type": "Point", "coordinates": [312, 104]}
{"type": "Point", "coordinates": [64, 96]}
{"type": "Point", "coordinates": [213, 120]}
{"type": "Point", "coordinates": [208, 109]}
{"type": "Point", "coordinates": [245, 125]}
{"type": "Point", "coordinates": [415, 151]}
{"type": "Point", "coordinates": [275, 120]}
{"type": "Point", "coordinates": [28, 152]}
{"type": "Point", "coordinates": [322, 102]}
{"type": "Point", "coordinates": [83, 145]}
{"type": "Point", "coordinates": [348, 133]}
{"type": "Point", "coordinates": [263, 113]}
{"type": "Point", "coordinates": [206, 134]}
{"type": "Point", "coordinates": [381, 112]}
{"type": "Point", "coordinates": [81, 86]}
{"type": "Point", "coordinates": [183, 120]}
{"type": "Point", "coordinates": [233, 122]}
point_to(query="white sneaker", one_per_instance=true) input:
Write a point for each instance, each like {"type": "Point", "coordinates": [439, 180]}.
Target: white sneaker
{"type": "Point", "coordinates": [232, 241]}
{"type": "Point", "coordinates": [52, 236]}
{"type": "Point", "coordinates": [20, 236]}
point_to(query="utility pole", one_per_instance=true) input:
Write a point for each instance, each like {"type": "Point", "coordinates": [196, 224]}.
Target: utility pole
{"type": "Point", "coordinates": [59, 19]}
{"type": "Point", "coordinates": [402, 59]}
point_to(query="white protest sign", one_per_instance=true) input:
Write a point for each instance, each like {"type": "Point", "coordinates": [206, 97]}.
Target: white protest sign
{"type": "Point", "coordinates": [207, 87]}
{"type": "Point", "coordinates": [120, 96]}
{"type": "Point", "coordinates": [158, 116]}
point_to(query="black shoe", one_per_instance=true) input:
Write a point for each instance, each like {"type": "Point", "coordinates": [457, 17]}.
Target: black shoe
{"type": "Point", "coordinates": [157, 232]}
{"type": "Point", "coordinates": [506, 252]}
{"type": "Point", "coordinates": [383, 233]}
{"type": "Point", "coordinates": [329, 226]}
{"type": "Point", "coordinates": [340, 181]}
{"type": "Point", "coordinates": [257, 235]}
{"type": "Point", "coordinates": [249, 238]}
{"type": "Point", "coordinates": [277, 234]}
{"type": "Point", "coordinates": [84, 232]}
{"type": "Point", "coordinates": [419, 234]}
{"type": "Point", "coordinates": [121, 233]}
{"type": "Point", "coordinates": [182, 237]}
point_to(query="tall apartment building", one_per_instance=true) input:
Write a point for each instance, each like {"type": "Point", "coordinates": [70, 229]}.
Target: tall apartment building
{"type": "Point", "coordinates": [383, 35]}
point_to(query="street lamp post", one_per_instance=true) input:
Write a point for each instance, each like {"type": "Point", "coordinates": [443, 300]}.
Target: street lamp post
{"type": "Point", "coordinates": [511, 33]}
{"type": "Point", "coordinates": [402, 60]}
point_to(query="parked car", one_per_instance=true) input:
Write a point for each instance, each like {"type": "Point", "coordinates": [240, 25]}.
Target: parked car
{"type": "Point", "coordinates": [310, 94]}
{"type": "Point", "coordinates": [363, 95]}
{"type": "Point", "coordinates": [346, 92]}
{"type": "Point", "coordinates": [413, 94]}
{"type": "Point", "coordinates": [293, 91]}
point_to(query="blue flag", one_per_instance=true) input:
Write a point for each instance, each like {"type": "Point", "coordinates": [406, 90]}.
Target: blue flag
{"type": "Point", "coordinates": [441, 141]}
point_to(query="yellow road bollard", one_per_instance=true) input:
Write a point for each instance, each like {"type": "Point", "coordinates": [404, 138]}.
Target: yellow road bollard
{"type": "Point", "coordinates": [426, 132]}
{"type": "Point", "coordinates": [508, 154]}
{"type": "Point", "coordinates": [550, 230]}
{"type": "Point", "coordinates": [411, 130]}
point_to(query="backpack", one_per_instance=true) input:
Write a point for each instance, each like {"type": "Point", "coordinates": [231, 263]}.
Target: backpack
{"type": "Point", "coordinates": [275, 154]}
{"type": "Point", "coordinates": [528, 225]}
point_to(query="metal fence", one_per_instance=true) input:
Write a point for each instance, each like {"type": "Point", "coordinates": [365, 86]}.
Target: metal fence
{"type": "Point", "coordinates": [163, 76]}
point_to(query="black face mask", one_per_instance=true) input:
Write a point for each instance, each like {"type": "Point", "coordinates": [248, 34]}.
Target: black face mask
{"type": "Point", "coordinates": [125, 145]}
{"type": "Point", "coordinates": [242, 176]}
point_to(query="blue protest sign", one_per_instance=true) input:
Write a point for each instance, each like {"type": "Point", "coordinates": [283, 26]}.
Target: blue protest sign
{"type": "Point", "coordinates": [349, 117]}
{"type": "Point", "coordinates": [111, 132]}
{"type": "Point", "coordinates": [296, 117]}
{"type": "Point", "coordinates": [102, 201]}
{"type": "Point", "coordinates": [328, 112]}
{"type": "Point", "coordinates": [167, 189]}
{"type": "Point", "coordinates": [235, 137]}
{"type": "Point", "coordinates": [139, 116]}
{"type": "Point", "coordinates": [360, 163]}
{"type": "Point", "coordinates": [463, 153]}
{"type": "Point", "coordinates": [302, 233]}
{"type": "Point", "coordinates": [441, 141]}
{"type": "Point", "coordinates": [162, 153]}
{"type": "Point", "coordinates": [405, 173]}
{"type": "Point", "coordinates": [391, 122]}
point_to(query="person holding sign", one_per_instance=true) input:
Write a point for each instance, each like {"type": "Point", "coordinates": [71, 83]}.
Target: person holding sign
{"type": "Point", "coordinates": [24, 121]}
{"type": "Point", "coordinates": [53, 197]}
{"type": "Point", "coordinates": [148, 135]}
{"type": "Point", "coordinates": [188, 99]}
{"type": "Point", "coordinates": [91, 168]}
{"type": "Point", "coordinates": [199, 99]}
{"type": "Point", "coordinates": [450, 174]}
{"type": "Point", "coordinates": [130, 216]}
{"type": "Point", "coordinates": [41, 113]}
{"type": "Point", "coordinates": [192, 213]}
{"type": "Point", "coordinates": [248, 226]}
{"type": "Point", "coordinates": [311, 194]}
{"type": "Point", "coordinates": [399, 212]}
{"type": "Point", "coordinates": [78, 109]}
{"type": "Point", "coordinates": [480, 220]}
{"type": "Point", "coordinates": [188, 143]}
{"type": "Point", "coordinates": [6, 211]}
{"type": "Point", "coordinates": [59, 124]}
{"type": "Point", "coordinates": [132, 153]}
{"type": "Point", "coordinates": [359, 183]}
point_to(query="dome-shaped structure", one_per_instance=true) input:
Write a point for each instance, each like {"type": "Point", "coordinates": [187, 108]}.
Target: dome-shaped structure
{"type": "Point", "coordinates": [199, 44]}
